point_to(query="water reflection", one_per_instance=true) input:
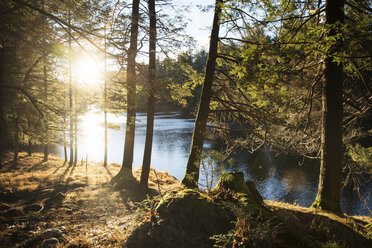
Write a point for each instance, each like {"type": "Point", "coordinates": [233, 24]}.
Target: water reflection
{"type": "Point", "coordinates": [279, 178]}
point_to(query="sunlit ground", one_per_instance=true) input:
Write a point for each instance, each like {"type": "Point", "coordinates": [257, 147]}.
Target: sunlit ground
{"type": "Point", "coordinates": [36, 196]}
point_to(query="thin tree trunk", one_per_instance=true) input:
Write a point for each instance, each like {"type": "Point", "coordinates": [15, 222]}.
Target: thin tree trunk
{"type": "Point", "coordinates": [46, 150]}
{"type": "Point", "coordinates": [2, 119]}
{"type": "Point", "coordinates": [126, 169]}
{"type": "Point", "coordinates": [105, 102]}
{"type": "Point", "coordinates": [332, 151]}
{"type": "Point", "coordinates": [16, 143]}
{"type": "Point", "coordinates": [191, 177]}
{"type": "Point", "coordinates": [64, 139]}
{"type": "Point", "coordinates": [29, 148]}
{"type": "Point", "coordinates": [151, 99]}
{"type": "Point", "coordinates": [64, 146]}
{"type": "Point", "coordinates": [70, 94]}
{"type": "Point", "coordinates": [76, 127]}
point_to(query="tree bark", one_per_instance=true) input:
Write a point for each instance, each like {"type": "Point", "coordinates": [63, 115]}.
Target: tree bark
{"type": "Point", "coordinates": [76, 127]}
{"type": "Point", "coordinates": [131, 96]}
{"type": "Point", "coordinates": [191, 177]}
{"type": "Point", "coordinates": [29, 150]}
{"type": "Point", "coordinates": [332, 151]}
{"type": "Point", "coordinates": [151, 99]}
{"type": "Point", "coordinates": [70, 94]}
{"type": "Point", "coordinates": [46, 150]}
{"type": "Point", "coordinates": [105, 103]}
{"type": "Point", "coordinates": [16, 143]}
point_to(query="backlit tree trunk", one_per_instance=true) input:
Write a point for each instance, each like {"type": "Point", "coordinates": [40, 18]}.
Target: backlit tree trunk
{"type": "Point", "coordinates": [16, 142]}
{"type": "Point", "coordinates": [70, 94]}
{"type": "Point", "coordinates": [126, 168]}
{"type": "Point", "coordinates": [151, 99]}
{"type": "Point", "coordinates": [76, 126]}
{"type": "Point", "coordinates": [105, 102]}
{"type": "Point", "coordinates": [332, 151]}
{"type": "Point", "coordinates": [46, 147]}
{"type": "Point", "coordinates": [192, 170]}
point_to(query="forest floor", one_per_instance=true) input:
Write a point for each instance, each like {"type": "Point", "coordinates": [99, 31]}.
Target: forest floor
{"type": "Point", "coordinates": [75, 201]}
{"type": "Point", "coordinates": [75, 206]}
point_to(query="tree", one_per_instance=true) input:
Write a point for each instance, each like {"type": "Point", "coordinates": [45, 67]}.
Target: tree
{"type": "Point", "coordinates": [126, 169]}
{"type": "Point", "coordinates": [332, 150]}
{"type": "Point", "coordinates": [151, 98]}
{"type": "Point", "coordinates": [105, 99]}
{"type": "Point", "coordinates": [71, 104]}
{"type": "Point", "coordinates": [192, 170]}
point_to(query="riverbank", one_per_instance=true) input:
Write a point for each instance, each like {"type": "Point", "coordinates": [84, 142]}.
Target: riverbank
{"type": "Point", "coordinates": [76, 207]}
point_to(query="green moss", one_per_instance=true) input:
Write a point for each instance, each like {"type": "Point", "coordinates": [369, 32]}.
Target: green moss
{"type": "Point", "coordinates": [233, 181]}
{"type": "Point", "coordinates": [331, 245]}
{"type": "Point", "coordinates": [190, 208]}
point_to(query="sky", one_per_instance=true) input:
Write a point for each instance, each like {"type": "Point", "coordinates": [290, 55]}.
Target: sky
{"type": "Point", "coordinates": [199, 23]}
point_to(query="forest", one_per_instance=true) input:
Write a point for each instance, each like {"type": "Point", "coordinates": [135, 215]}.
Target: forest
{"type": "Point", "coordinates": [264, 135]}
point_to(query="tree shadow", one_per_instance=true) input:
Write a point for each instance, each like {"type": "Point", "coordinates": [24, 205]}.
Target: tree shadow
{"type": "Point", "coordinates": [108, 171]}
{"type": "Point", "coordinates": [323, 226]}
{"type": "Point", "coordinates": [68, 171]}
{"type": "Point", "coordinates": [57, 169]}
{"type": "Point", "coordinates": [34, 166]}
{"type": "Point", "coordinates": [132, 191]}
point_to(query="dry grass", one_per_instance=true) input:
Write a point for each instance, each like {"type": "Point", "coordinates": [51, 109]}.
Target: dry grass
{"type": "Point", "coordinates": [77, 200]}
{"type": "Point", "coordinates": [324, 226]}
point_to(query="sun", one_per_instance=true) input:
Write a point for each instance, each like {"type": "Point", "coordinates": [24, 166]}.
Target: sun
{"type": "Point", "coordinates": [88, 71]}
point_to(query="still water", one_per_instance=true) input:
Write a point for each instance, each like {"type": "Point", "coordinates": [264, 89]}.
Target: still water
{"type": "Point", "coordinates": [277, 178]}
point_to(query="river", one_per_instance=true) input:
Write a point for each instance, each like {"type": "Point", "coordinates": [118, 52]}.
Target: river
{"type": "Point", "coordinates": [279, 178]}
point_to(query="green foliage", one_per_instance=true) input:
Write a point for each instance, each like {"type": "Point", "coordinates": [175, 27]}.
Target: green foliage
{"type": "Point", "coordinates": [361, 156]}
{"type": "Point", "coordinates": [223, 240]}
{"type": "Point", "coordinates": [212, 164]}
{"type": "Point", "coordinates": [331, 245]}
{"type": "Point", "coordinates": [182, 78]}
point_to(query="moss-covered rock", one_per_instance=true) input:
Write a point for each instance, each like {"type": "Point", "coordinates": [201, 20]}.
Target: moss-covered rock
{"type": "Point", "coordinates": [187, 218]}
{"type": "Point", "coordinates": [234, 216]}
{"type": "Point", "coordinates": [234, 181]}
{"type": "Point", "coordinates": [190, 208]}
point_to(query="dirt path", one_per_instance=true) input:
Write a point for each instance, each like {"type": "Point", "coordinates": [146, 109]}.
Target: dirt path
{"type": "Point", "coordinates": [77, 200]}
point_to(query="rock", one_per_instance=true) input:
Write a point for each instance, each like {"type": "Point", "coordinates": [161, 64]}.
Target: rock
{"type": "Point", "coordinates": [234, 181]}
{"type": "Point", "coordinates": [48, 243]}
{"type": "Point", "coordinates": [54, 232]}
{"type": "Point", "coordinates": [54, 200]}
{"type": "Point", "coordinates": [38, 239]}
{"type": "Point", "coordinates": [4, 206]}
{"type": "Point", "coordinates": [252, 187]}
{"type": "Point", "coordinates": [33, 208]}
{"type": "Point", "coordinates": [13, 212]}
{"type": "Point", "coordinates": [188, 208]}
{"type": "Point", "coordinates": [187, 219]}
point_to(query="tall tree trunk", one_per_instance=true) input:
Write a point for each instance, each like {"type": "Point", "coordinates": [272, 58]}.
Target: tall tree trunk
{"type": "Point", "coordinates": [332, 151]}
{"type": "Point", "coordinates": [151, 99]}
{"type": "Point", "coordinates": [29, 147]}
{"type": "Point", "coordinates": [105, 101]}
{"type": "Point", "coordinates": [64, 145]}
{"type": "Point", "coordinates": [126, 169]}
{"type": "Point", "coordinates": [46, 150]}
{"type": "Point", "coordinates": [29, 152]}
{"type": "Point", "coordinates": [16, 143]}
{"type": "Point", "coordinates": [192, 170]}
{"type": "Point", "coordinates": [70, 93]}
{"type": "Point", "coordinates": [76, 126]}
{"type": "Point", "coordinates": [2, 118]}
